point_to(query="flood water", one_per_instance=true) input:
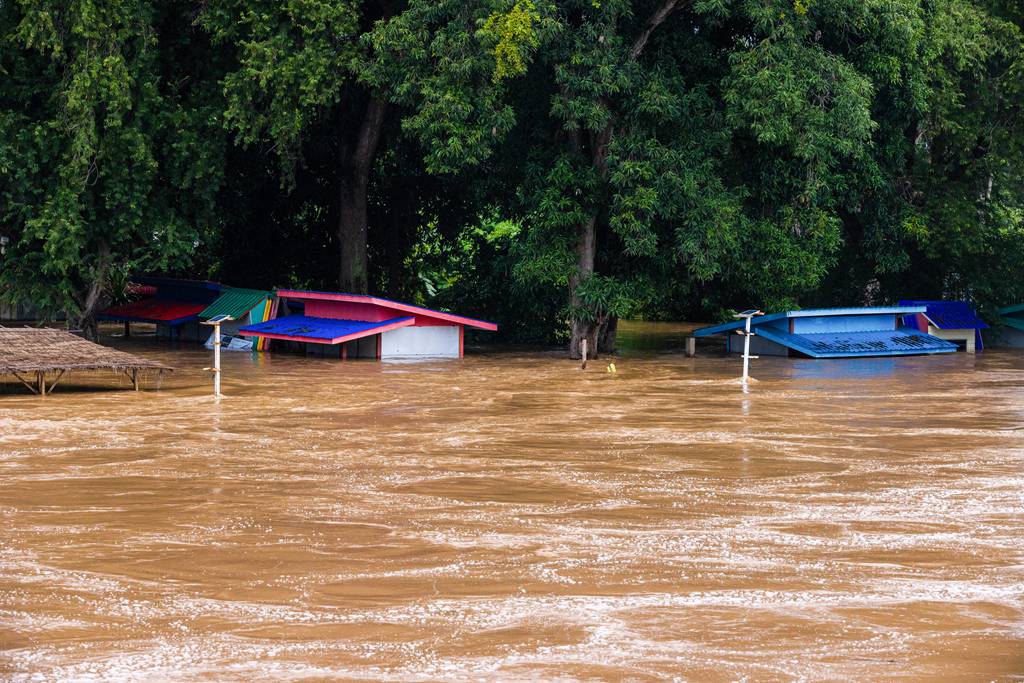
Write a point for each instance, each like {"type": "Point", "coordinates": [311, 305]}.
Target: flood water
{"type": "Point", "coordinates": [509, 517]}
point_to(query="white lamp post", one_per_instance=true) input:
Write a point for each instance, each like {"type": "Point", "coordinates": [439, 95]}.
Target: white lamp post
{"type": "Point", "coordinates": [215, 321]}
{"type": "Point", "coordinates": [747, 334]}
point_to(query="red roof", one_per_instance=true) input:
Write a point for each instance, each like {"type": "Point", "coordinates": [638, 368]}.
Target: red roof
{"type": "Point", "coordinates": [388, 304]}
{"type": "Point", "coordinates": [154, 311]}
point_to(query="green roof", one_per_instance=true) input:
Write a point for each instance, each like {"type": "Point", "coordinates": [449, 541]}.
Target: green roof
{"type": "Point", "coordinates": [1011, 309]}
{"type": "Point", "coordinates": [235, 302]}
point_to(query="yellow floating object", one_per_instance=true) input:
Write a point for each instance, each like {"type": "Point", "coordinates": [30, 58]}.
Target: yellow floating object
{"type": "Point", "coordinates": [611, 367]}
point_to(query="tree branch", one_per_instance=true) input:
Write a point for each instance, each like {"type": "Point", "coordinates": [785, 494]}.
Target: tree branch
{"type": "Point", "coordinates": [653, 22]}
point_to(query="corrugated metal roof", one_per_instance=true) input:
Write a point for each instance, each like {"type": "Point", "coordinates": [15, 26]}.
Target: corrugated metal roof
{"type": "Point", "coordinates": [1010, 310]}
{"type": "Point", "coordinates": [398, 306]}
{"type": "Point", "coordinates": [160, 311]}
{"type": "Point", "coordinates": [179, 283]}
{"type": "Point", "coordinates": [950, 315]}
{"type": "Point", "coordinates": [807, 313]}
{"type": "Point", "coordinates": [901, 342]}
{"type": "Point", "coordinates": [306, 328]}
{"type": "Point", "coordinates": [235, 302]}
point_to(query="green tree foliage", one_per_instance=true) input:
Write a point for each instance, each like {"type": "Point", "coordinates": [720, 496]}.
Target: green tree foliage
{"type": "Point", "coordinates": [110, 152]}
{"type": "Point", "coordinates": [551, 165]}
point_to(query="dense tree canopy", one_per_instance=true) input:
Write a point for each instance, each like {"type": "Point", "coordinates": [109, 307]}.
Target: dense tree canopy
{"type": "Point", "coordinates": [552, 165]}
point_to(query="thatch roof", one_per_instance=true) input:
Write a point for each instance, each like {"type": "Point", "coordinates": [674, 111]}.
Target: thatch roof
{"type": "Point", "coordinates": [33, 349]}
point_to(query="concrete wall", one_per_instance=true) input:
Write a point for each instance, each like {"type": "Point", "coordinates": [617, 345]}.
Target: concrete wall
{"type": "Point", "coordinates": [759, 346]}
{"type": "Point", "coordinates": [421, 341]}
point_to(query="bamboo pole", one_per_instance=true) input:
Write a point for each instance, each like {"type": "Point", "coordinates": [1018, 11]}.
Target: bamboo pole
{"type": "Point", "coordinates": [583, 354]}
{"type": "Point", "coordinates": [25, 382]}
{"type": "Point", "coordinates": [55, 380]}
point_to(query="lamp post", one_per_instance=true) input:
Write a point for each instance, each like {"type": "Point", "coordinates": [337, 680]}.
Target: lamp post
{"type": "Point", "coordinates": [747, 334]}
{"type": "Point", "coordinates": [215, 321]}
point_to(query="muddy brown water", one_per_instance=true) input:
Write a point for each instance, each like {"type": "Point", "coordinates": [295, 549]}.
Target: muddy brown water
{"type": "Point", "coordinates": [509, 517]}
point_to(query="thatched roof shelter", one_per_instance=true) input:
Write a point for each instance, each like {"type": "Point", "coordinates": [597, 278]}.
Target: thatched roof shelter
{"type": "Point", "coordinates": [31, 353]}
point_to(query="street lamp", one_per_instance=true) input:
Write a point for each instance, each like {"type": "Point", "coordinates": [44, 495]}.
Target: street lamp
{"type": "Point", "coordinates": [747, 334]}
{"type": "Point", "coordinates": [215, 321]}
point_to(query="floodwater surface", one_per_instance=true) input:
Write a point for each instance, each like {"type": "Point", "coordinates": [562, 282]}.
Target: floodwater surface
{"type": "Point", "coordinates": [510, 517]}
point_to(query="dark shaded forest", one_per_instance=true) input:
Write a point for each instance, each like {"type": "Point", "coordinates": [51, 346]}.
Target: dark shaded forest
{"type": "Point", "coordinates": [553, 166]}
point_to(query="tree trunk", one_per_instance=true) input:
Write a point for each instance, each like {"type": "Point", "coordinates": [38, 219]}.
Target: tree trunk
{"type": "Point", "coordinates": [606, 335]}
{"type": "Point", "coordinates": [86, 319]}
{"type": "Point", "coordinates": [356, 164]}
{"type": "Point", "coordinates": [586, 249]}
{"type": "Point", "coordinates": [90, 304]}
{"type": "Point", "coordinates": [586, 246]}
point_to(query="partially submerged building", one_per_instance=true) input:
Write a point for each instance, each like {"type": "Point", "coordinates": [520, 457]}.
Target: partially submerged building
{"type": "Point", "coordinates": [953, 321]}
{"type": "Point", "coordinates": [243, 307]}
{"type": "Point", "coordinates": [1011, 326]}
{"type": "Point", "coordinates": [35, 356]}
{"type": "Point", "coordinates": [171, 304]}
{"type": "Point", "coordinates": [344, 326]}
{"type": "Point", "coordinates": [832, 333]}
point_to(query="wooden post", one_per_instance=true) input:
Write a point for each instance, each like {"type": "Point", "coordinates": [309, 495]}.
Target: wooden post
{"type": "Point", "coordinates": [583, 354]}
{"type": "Point", "coordinates": [135, 379]}
{"type": "Point", "coordinates": [41, 384]}
{"type": "Point", "coordinates": [691, 346]}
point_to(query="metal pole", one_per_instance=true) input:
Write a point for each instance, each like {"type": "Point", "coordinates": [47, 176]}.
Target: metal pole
{"type": "Point", "coordinates": [216, 359]}
{"type": "Point", "coordinates": [747, 332]}
{"type": "Point", "coordinates": [746, 351]}
{"type": "Point", "coordinates": [215, 322]}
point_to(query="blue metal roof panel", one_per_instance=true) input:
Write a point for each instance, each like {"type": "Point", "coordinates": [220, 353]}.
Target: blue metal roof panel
{"type": "Point", "coordinates": [901, 342]}
{"type": "Point", "coordinates": [323, 330]}
{"type": "Point", "coordinates": [950, 315]}
{"type": "Point", "coordinates": [737, 325]}
{"type": "Point", "coordinates": [807, 313]}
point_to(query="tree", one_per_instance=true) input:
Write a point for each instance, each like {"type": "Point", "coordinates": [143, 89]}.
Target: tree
{"type": "Point", "coordinates": [109, 161]}
{"type": "Point", "coordinates": [296, 69]}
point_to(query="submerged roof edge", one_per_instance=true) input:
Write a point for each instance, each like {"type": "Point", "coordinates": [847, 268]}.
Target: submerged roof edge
{"type": "Point", "coordinates": [807, 313]}
{"type": "Point", "coordinates": [387, 303]}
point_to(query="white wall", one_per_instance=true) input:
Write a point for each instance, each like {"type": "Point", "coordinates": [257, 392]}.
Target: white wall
{"type": "Point", "coordinates": [421, 341]}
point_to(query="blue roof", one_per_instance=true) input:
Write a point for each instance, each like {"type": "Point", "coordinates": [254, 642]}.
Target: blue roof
{"type": "Point", "coordinates": [806, 313]}
{"type": "Point", "coordinates": [950, 315]}
{"type": "Point", "coordinates": [901, 342]}
{"type": "Point", "coordinates": [320, 330]}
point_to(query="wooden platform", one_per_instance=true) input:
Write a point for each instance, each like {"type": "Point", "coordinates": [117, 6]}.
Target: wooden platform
{"type": "Point", "coordinates": [34, 354]}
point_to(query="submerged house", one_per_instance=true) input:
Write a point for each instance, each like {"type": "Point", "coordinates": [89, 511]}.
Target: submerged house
{"type": "Point", "coordinates": [1011, 326]}
{"type": "Point", "coordinates": [171, 304]}
{"type": "Point", "coordinates": [833, 333]}
{"type": "Point", "coordinates": [243, 307]}
{"type": "Point", "coordinates": [953, 321]}
{"type": "Point", "coordinates": [343, 326]}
